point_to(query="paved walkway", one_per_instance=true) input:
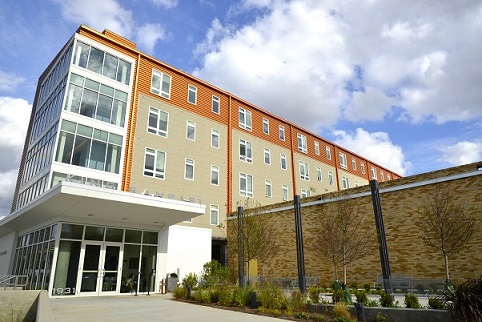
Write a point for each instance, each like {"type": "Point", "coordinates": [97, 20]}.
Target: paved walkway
{"type": "Point", "coordinates": [155, 307]}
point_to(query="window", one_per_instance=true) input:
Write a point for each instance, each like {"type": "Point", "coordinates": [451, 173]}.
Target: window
{"type": "Point", "coordinates": [382, 177]}
{"type": "Point", "coordinates": [267, 156]}
{"type": "Point", "coordinates": [305, 193]}
{"type": "Point", "coordinates": [244, 119]}
{"type": "Point", "coordinates": [353, 164]}
{"type": "Point", "coordinates": [214, 211]}
{"type": "Point", "coordinates": [356, 183]}
{"type": "Point", "coordinates": [328, 153]}
{"type": "Point", "coordinates": [343, 160]}
{"type": "Point", "coordinates": [374, 173]}
{"type": "Point", "coordinates": [283, 161]}
{"type": "Point", "coordinates": [267, 185]}
{"type": "Point", "coordinates": [302, 143]}
{"type": "Point", "coordinates": [330, 178]}
{"type": "Point", "coordinates": [317, 148]}
{"type": "Point", "coordinates": [161, 84]}
{"type": "Point", "coordinates": [265, 126]}
{"type": "Point", "coordinates": [88, 147]}
{"type": "Point", "coordinates": [155, 163]}
{"type": "Point", "coordinates": [215, 138]}
{"type": "Point", "coordinates": [285, 192]}
{"type": "Point", "coordinates": [362, 167]}
{"type": "Point", "coordinates": [96, 100]}
{"type": "Point", "coordinates": [189, 169]}
{"type": "Point", "coordinates": [214, 175]}
{"type": "Point", "coordinates": [157, 122]}
{"type": "Point", "coordinates": [191, 130]}
{"type": "Point", "coordinates": [346, 183]}
{"type": "Point", "coordinates": [245, 151]}
{"type": "Point", "coordinates": [245, 185]}
{"type": "Point", "coordinates": [215, 104]}
{"type": "Point", "coordinates": [319, 176]}
{"type": "Point", "coordinates": [304, 171]}
{"type": "Point", "coordinates": [281, 132]}
{"type": "Point", "coordinates": [102, 63]}
{"type": "Point", "coordinates": [388, 177]}
{"type": "Point", "coordinates": [192, 94]}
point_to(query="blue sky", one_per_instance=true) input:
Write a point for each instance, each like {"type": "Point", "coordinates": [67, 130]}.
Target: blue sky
{"type": "Point", "coordinates": [398, 82]}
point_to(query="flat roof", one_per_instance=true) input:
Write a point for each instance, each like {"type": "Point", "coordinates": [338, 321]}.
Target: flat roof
{"type": "Point", "coordinates": [75, 201]}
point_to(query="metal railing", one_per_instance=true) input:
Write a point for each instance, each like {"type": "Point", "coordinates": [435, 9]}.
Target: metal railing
{"type": "Point", "coordinates": [13, 281]}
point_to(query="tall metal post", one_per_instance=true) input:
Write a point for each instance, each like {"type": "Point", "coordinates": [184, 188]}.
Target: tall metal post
{"type": "Point", "coordinates": [382, 241]}
{"type": "Point", "coordinates": [240, 247]}
{"type": "Point", "coordinates": [299, 245]}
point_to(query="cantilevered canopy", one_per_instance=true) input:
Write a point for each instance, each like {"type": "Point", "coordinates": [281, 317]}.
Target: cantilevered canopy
{"type": "Point", "coordinates": [75, 201]}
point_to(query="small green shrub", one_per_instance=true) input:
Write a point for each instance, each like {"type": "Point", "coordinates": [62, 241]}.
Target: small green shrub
{"type": "Point", "coordinates": [297, 302]}
{"type": "Point", "coordinates": [214, 295]}
{"type": "Point", "coordinates": [272, 297]}
{"type": "Point", "coordinates": [411, 301]}
{"type": "Point", "coordinates": [225, 295]}
{"type": "Point", "coordinates": [361, 297]}
{"type": "Point", "coordinates": [214, 273]}
{"type": "Point", "coordinates": [465, 300]}
{"type": "Point", "coordinates": [386, 299]}
{"type": "Point", "coordinates": [380, 317]}
{"type": "Point", "coordinates": [341, 313]}
{"type": "Point", "coordinates": [241, 296]}
{"type": "Point", "coordinates": [203, 296]}
{"type": "Point", "coordinates": [367, 287]}
{"type": "Point", "coordinates": [190, 280]}
{"type": "Point", "coordinates": [179, 293]}
{"type": "Point", "coordinates": [435, 303]}
{"type": "Point", "coordinates": [314, 293]}
{"type": "Point", "coordinates": [338, 296]}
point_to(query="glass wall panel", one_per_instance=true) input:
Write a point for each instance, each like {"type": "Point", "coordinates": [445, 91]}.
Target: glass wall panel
{"type": "Point", "coordinates": [150, 237]}
{"type": "Point", "coordinates": [65, 280]}
{"type": "Point", "coordinates": [94, 233]}
{"type": "Point", "coordinates": [71, 231]}
{"type": "Point", "coordinates": [130, 267]}
{"type": "Point", "coordinates": [148, 264]}
{"type": "Point", "coordinates": [133, 236]}
{"type": "Point", "coordinates": [114, 234]}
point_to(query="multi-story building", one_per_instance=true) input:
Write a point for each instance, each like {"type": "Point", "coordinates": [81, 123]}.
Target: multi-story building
{"type": "Point", "coordinates": [121, 145]}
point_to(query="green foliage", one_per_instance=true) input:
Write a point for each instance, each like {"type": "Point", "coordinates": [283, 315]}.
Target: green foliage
{"type": "Point", "coordinates": [338, 296]}
{"type": "Point", "coordinates": [372, 303]}
{"type": "Point", "coordinates": [465, 301]}
{"type": "Point", "coordinates": [190, 280]}
{"type": "Point", "coordinates": [203, 296]}
{"type": "Point", "coordinates": [341, 313]}
{"type": "Point", "coordinates": [314, 293]}
{"type": "Point", "coordinates": [367, 287]}
{"type": "Point", "coordinates": [436, 303]}
{"type": "Point", "coordinates": [214, 273]}
{"type": "Point", "coordinates": [386, 299]}
{"type": "Point", "coordinates": [297, 302]}
{"type": "Point", "coordinates": [380, 317]}
{"type": "Point", "coordinates": [225, 295]}
{"type": "Point", "coordinates": [214, 295]}
{"type": "Point", "coordinates": [361, 297]}
{"type": "Point", "coordinates": [272, 297]}
{"type": "Point", "coordinates": [179, 293]}
{"type": "Point", "coordinates": [241, 296]}
{"type": "Point", "coordinates": [411, 301]}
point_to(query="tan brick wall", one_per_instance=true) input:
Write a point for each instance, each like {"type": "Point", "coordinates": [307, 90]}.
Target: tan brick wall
{"type": "Point", "coordinates": [408, 255]}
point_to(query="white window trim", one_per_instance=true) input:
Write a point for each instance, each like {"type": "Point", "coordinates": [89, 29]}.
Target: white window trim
{"type": "Point", "coordinates": [246, 193]}
{"type": "Point", "coordinates": [267, 153]}
{"type": "Point", "coordinates": [374, 173]}
{"type": "Point", "coordinates": [265, 126]}
{"type": "Point", "coordinates": [153, 152]}
{"type": "Point", "coordinates": [188, 162]}
{"type": "Point", "coordinates": [362, 167]}
{"type": "Point", "coordinates": [214, 208]}
{"type": "Point", "coordinates": [193, 125]}
{"type": "Point", "coordinates": [157, 130]}
{"type": "Point", "coordinates": [214, 168]}
{"type": "Point", "coordinates": [245, 158]}
{"type": "Point", "coordinates": [215, 133]}
{"type": "Point", "coordinates": [192, 89]}
{"type": "Point", "coordinates": [215, 99]}
{"type": "Point", "coordinates": [328, 153]}
{"type": "Point", "coordinates": [267, 183]}
{"type": "Point", "coordinates": [343, 163]}
{"type": "Point", "coordinates": [245, 125]}
{"type": "Point", "coordinates": [303, 147]}
{"type": "Point", "coordinates": [353, 164]}
{"type": "Point", "coordinates": [283, 157]}
{"type": "Point", "coordinates": [317, 148]}
{"type": "Point", "coordinates": [161, 76]}
{"type": "Point", "coordinates": [306, 169]}
{"type": "Point", "coordinates": [345, 182]}
{"type": "Point", "coordinates": [319, 174]}
{"type": "Point", "coordinates": [284, 191]}
{"type": "Point", "coordinates": [331, 178]}
{"type": "Point", "coordinates": [281, 132]}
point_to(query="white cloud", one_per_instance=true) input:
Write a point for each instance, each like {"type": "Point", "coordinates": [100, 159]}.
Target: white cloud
{"type": "Point", "coordinates": [300, 55]}
{"type": "Point", "coordinates": [375, 146]}
{"type": "Point", "coordinates": [168, 4]}
{"type": "Point", "coordinates": [9, 81]}
{"type": "Point", "coordinates": [109, 14]}
{"type": "Point", "coordinates": [461, 153]}
{"type": "Point", "coordinates": [148, 35]}
{"type": "Point", "coordinates": [14, 117]}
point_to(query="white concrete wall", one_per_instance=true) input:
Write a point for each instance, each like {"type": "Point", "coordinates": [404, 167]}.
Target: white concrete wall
{"type": "Point", "coordinates": [189, 248]}
{"type": "Point", "coordinates": [7, 253]}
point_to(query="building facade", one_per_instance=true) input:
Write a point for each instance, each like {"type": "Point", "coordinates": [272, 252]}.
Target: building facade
{"type": "Point", "coordinates": [137, 149]}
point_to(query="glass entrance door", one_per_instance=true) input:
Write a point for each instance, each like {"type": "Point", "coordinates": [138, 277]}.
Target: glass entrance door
{"type": "Point", "coordinates": [100, 269]}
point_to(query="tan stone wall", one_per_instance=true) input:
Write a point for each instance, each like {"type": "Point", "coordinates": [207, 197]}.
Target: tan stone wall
{"type": "Point", "coordinates": [408, 255]}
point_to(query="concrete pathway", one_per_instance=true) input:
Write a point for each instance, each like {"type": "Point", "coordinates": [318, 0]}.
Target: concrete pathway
{"type": "Point", "coordinates": [155, 307]}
